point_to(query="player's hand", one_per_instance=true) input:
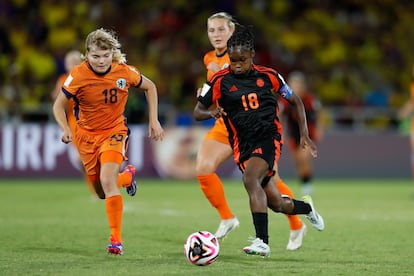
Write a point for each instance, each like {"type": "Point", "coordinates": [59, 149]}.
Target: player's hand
{"type": "Point", "coordinates": [156, 132]}
{"type": "Point", "coordinates": [67, 137]}
{"type": "Point", "coordinates": [307, 142]}
{"type": "Point", "coordinates": [218, 112]}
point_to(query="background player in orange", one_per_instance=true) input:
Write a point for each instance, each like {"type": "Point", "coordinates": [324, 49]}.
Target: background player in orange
{"type": "Point", "coordinates": [244, 95]}
{"type": "Point", "coordinates": [72, 58]}
{"type": "Point", "coordinates": [215, 148]}
{"type": "Point", "coordinates": [99, 87]}
{"type": "Point", "coordinates": [407, 111]}
{"type": "Point", "coordinates": [297, 81]}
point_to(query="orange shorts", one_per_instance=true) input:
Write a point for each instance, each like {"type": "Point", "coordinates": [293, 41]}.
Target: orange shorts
{"type": "Point", "coordinates": [91, 144]}
{"type": "Point", "coordinates": [218, 132]}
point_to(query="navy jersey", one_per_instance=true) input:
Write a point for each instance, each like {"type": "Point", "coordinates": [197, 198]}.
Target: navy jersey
{"type": "Point", "coordinates": [251, 106]}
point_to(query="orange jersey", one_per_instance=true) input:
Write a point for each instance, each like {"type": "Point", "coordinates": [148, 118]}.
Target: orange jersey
{"type": "Point", "coordinates": [70, 108]}
{"type": "Point", "coordinates": [222, 60]}
{"type": "Point", "coordinates": [71, 103]}
{"type": "Point", "coordinates": [218, 132]}
{"type": "Point", "coordinates": [59, 84]}
{"type": "Point", "coordinates": [101, 99]}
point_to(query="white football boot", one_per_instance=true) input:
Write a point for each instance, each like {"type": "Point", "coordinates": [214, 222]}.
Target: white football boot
{"type": "Point", "coordinates": [314, 218]}
{"type": "Point", "coordinates": [226, 226]}
{"type": "Point", "coordinates": [296, 238]}
{"type": "Point", "coordinates": [258, 247]}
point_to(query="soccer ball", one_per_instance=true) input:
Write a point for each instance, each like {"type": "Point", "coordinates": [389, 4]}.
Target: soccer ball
{"type": "Point", "coordinates": [201, 248]}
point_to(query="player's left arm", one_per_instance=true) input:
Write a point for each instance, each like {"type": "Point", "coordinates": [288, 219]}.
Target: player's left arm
{"type": "Point", "coordinates": [305, 140]}
{"type": "Point", "coordinates": [320, 122]}
{"type": "Point", "coordinates": [280, 85]}
{"type": "Point", "coordinates": [154, 128]}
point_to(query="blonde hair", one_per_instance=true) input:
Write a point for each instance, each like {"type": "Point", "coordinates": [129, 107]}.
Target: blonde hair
{"type": "Point", "coordinates": [223, 15]}
{"type": "Point", "coordinates": [72, 58]}
{"type": "Point", "coordinates": [105, 40]}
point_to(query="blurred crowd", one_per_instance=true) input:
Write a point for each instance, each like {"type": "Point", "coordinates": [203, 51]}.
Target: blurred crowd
{"type": "Point", "coordinates": [355, 53]}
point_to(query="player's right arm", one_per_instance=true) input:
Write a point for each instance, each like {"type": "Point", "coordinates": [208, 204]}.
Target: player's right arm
{"type": "Point", "coordinates": [202, 109]}
{"type": "Point", "coordinates": [59, 111]}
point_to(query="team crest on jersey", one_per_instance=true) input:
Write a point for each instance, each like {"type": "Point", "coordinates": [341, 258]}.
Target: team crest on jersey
{"type": "Point", "coordinates": [260, 82]}
{"type": "Point", "coordinates": [121, 83]}
{"type": "Point", "coordinates": [225, 65]}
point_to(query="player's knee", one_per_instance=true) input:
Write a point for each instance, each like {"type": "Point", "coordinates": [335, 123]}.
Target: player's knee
{"type": "Point", "coordinates": [286, 205]}
{"type": "Point", "coordinates": [204, 167]}
{"type": "Point", "coordinates": [276, 205]}
{"type": "Point", "coordinates": [250, 181]}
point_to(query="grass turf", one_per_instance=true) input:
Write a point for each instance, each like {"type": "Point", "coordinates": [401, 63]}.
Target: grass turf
{"type": "Point", "coordinates": [56, 227]}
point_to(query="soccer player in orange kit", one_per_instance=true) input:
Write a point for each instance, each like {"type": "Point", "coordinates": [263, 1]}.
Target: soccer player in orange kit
{"type": "Point", "coordinates": [99, 88]}
{"type": "Point", "coordinates": [72, 58]}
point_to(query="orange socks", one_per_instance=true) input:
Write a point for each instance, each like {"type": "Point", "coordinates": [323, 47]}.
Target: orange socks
{"type": "Point", "coordinates": [114, 206]}
{"type": "Point", "coordinates": [294, 220]}
{"type": "Point", "coordinates": [213, 189]}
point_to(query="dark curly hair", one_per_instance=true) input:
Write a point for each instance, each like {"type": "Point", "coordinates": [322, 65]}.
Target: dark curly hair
{"type": "Point", "coordinates": [243, 36]}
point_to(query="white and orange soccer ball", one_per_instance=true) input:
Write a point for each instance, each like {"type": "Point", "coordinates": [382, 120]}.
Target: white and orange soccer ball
{"type": "Point", "coordinates": [201, 248]}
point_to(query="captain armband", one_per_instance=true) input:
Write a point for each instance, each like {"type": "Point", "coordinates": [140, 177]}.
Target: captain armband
{"type": "Point", "coordinates": [285, 91]}
{"type": "Point", "coordinates": [205, 89]}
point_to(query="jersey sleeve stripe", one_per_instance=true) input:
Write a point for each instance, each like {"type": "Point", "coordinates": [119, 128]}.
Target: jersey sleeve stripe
{"type": "Point", "coordinates": [219, 74]}
{"type": "Point", "coordinates": [272, 74]}
{"type": "Point", "coordinates": [67, 93]}
{"type": "Point", "coordinates": [217, 90]}
{"type": "Point", "coordinates": [140, 82]}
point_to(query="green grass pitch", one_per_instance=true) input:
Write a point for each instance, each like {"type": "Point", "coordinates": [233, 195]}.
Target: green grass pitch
{"type": "Point", "coordinates": [56, 227]}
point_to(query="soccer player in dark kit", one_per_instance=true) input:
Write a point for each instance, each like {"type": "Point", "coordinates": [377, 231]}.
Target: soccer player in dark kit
{"type": "Point", "coordinates": [244, 95]}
